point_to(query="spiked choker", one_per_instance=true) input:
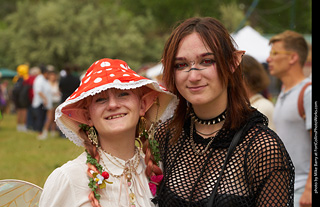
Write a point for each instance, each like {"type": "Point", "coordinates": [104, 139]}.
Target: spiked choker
{"type": "Point", "coordinates": [212, 121]}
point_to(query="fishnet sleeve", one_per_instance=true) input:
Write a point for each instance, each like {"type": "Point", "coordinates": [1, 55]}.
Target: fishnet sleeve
{"type": "Point", "coordinates": [270, 169]}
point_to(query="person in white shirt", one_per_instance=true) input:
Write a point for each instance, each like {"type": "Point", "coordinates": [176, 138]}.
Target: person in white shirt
{"type": "Point", "coordinates": [42, 99]}
{"type": "Point", "coordinates": [102, 115]}
{"type": "Point", "coordinates": [288, 55]}
{"type": "Point", "coordinates": [256, 81]}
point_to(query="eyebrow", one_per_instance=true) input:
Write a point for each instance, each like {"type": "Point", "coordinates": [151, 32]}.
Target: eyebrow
{"type": "Point", "coordinates": [201, 55]}
{"type": "Point", "coordinates": [206, 54]}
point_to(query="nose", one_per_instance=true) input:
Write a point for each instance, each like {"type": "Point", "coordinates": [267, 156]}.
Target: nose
{"type": "Point", "coordinates": [269, 59]}
{"type": "Point", "coordinates": [194, 75]}
{"type": "Point", "coordinates": [113, 102]}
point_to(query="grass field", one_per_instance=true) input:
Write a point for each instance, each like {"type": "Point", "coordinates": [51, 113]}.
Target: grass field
{"type": "Point", "coordinates": [24, 157]}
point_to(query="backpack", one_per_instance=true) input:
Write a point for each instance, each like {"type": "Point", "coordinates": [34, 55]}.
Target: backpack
{"type": "Point", "coordinates": [17, 87]}
{"type": "Point", "coordinates": [24, 99]}
{"type": "Point", "coordinates": [300, 101]}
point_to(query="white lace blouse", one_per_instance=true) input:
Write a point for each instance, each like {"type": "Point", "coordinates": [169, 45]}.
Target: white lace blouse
{"type": "Point", "coordinates": [68, 185]}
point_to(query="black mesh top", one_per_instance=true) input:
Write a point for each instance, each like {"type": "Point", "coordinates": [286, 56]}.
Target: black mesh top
{"type": "Point", "coordinates": [259, 172]}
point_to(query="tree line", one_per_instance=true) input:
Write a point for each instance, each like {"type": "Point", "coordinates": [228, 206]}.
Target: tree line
{"type": "Point", "coordinates": [82, 31]}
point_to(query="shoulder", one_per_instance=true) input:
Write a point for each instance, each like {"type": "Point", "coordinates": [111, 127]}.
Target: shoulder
{"type": "Point", "coordinates": [265, 146]}
{"type": "Point", "coordinates": [65, 183]}
{"type": "Point", "coordinates": [162, 128]}
{"type": "Point", "coordinates": [70, 170]}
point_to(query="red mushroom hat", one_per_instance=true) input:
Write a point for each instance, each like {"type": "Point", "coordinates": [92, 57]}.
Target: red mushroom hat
{"type": "Point", "coordinates": [103, 75]}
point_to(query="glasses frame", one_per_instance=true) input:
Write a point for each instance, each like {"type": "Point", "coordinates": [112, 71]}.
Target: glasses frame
{"type": "Point", "coordinates": [275, 52]}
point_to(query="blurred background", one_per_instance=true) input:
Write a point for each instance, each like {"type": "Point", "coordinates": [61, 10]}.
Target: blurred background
{"type": "Point", "coordinates": [82, 31]}
{"type": "Point", "coordinates": [67, 36]}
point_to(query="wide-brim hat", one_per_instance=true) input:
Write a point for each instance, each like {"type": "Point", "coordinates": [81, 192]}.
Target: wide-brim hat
{"type": "Point", "coordinates": [105, 74]}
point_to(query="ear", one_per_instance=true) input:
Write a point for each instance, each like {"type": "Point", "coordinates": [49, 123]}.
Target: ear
{"type": "Point", "coordinates": [147, 101]}
{"type": "Point", "coordinates": [238, 54]}
{"type": "Point", "coordinates": [79, 115]}
{"type": "Point", "coordinates": [294, 57]}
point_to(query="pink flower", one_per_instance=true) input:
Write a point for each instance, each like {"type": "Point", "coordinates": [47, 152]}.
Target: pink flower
{"type": "Point", "coordinates": [154, 181]}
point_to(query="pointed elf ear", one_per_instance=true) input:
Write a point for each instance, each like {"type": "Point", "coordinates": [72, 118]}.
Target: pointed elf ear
{"type": "Point", "coordinates": [148, 100]}
{"type": "Point", "coordinates": [239, 54]}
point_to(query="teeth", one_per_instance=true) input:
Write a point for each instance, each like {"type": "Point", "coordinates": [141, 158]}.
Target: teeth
{"type": "Point", "coordinates": [116, 116]}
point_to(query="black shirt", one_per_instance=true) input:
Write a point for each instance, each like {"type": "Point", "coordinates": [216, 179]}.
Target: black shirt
{"type": "Point", "coordinates": [259, 172]}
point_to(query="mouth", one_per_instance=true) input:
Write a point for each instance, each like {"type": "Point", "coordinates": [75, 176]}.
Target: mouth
{"type": "Point", "coordinates": [196, 88]}
{"type": "Point", "coordinates": [115, 116]}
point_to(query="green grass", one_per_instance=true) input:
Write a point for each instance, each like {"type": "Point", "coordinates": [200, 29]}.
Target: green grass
{"type": "Point", "coordinates": [24, 157]}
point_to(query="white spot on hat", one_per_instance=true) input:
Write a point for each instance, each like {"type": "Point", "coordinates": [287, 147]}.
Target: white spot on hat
{"type": "Point", "coordinates": [97, 80]}
{"type": "Point", "coordinates": [136, 75]}
{"type": "Point", "coordinates": [124, 67]}
{"type": "Point", "coordinates": [116, 81]}
{"type": "Point", "coordinates": [112, 75]}
{"type": "Point", "coordinates": [126, 75]}
{"type": "Point", "coordinates": [86, 81]}
{"type": "Point", "coordinates": [108, 69]}
{"type": "Point", "coordinates": [105, 64]}
{"type": "Point", "coordinates": [89, 73]}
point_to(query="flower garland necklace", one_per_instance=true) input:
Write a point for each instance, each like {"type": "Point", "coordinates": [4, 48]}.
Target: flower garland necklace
{"type": "Point", "coordinates": [98, 179]}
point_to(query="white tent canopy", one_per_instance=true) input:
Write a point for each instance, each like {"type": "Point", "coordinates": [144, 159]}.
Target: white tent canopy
{"type": "Point", "coordinates": [247, 39]}
{"type": "Point", "coordinates": [253, 43]}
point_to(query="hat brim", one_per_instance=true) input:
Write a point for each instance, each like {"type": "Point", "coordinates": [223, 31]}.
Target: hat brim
{"type": "Point", "coordinates": [69, 118]}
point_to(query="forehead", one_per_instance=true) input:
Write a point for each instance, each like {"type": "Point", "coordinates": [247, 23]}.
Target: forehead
{"type": "Point", "coordinates": [192, 46]}
{"type": "Point", "coordinates": [278, 45]}
{"type": "Point", "coordinates": [111, 91]}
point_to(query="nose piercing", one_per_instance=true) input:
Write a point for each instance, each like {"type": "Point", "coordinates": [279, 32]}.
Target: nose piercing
{"type": "Point", "coordinates": [192, 63]}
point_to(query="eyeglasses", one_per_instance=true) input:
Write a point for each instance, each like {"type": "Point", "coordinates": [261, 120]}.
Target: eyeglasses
{"type": "Point", "coordinates": [274, 53]}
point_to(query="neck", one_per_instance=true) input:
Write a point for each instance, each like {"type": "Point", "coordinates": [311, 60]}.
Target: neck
{"type": "Point", "coordinates": [292, 78]}
{"type": "Point", "coordinates": [211, 109]}
{"type": "Point", "coordinates": [121, 146]}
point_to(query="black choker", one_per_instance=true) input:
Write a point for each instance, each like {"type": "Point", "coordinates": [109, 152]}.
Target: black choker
{"type": "Point", "coordinates": [214, 120]}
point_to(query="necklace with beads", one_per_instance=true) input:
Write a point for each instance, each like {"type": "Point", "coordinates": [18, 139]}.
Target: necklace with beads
{"type": "Point", "coordinates": [194, 118]}
{"type": "Point", "coordinates": [221, 117]}
{"type": "Point", "coordinates": [128, 170]}
{"type": "Point", "coordinates": [193, 144]}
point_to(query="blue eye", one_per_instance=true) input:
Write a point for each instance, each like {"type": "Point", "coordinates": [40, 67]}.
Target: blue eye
{"type": "Point", "coordinates": [123, 94]}
{"type": "Point", "coordinates": [100, 99]}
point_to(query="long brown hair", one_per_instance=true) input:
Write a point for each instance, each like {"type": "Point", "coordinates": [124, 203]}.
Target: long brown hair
{"type": "Point", "coordinates": [216, 36]}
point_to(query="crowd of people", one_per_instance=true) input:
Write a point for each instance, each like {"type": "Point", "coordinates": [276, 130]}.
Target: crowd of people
{"type": "Point", "coordinates": [36, 93]}
{"type": "Point", "coordinates": [211, 136]}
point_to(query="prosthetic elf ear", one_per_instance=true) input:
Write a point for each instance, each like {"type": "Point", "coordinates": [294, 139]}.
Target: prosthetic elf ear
{"type": "Point", "coordinates": [148, 100]}
{"type": "Point", "coordinates": [77, 114]}
{"type": "Point", "coordinates": [238, 56]}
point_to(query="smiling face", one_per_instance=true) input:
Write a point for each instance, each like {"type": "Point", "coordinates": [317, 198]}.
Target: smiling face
{"type": "Point", "coordinates": [115, 112]}
{"type": "Point", "coordinates": [196, 75]}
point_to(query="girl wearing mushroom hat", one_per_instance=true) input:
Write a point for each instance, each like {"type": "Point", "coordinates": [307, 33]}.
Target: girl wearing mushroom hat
{"type": "Point", "coordinates": [102, 115]}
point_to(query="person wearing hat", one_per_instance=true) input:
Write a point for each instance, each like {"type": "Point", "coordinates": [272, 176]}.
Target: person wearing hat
{"type": "Point", "coordinates": [20, 101]}
{"type": "Point", "coordinates": [102, 115]}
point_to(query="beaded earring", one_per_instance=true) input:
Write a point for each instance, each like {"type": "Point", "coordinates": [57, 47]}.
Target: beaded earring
{"type": "Point", "coordinates": [92, 135]}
